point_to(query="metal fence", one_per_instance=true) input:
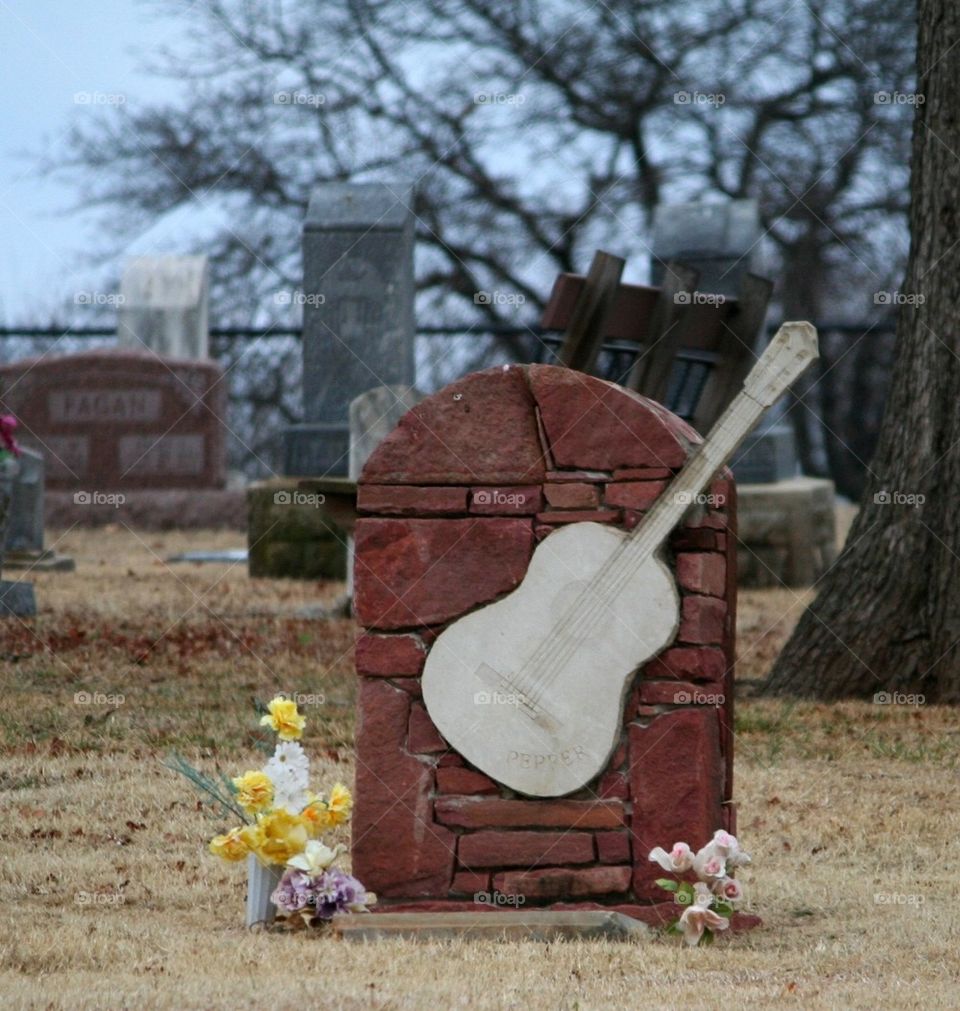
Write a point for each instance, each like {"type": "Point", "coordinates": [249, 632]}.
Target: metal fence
{"type": "Point", "coordinates": [836, 417]}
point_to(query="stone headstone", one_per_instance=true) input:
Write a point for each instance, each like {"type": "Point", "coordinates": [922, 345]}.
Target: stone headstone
{"type": "Point", "coordinates": [358, 314]}
{"type": "Point", "coordinates": [110, 420]}
{"type": "Point", "coordinates": [24, 544]}
{"type": "Point", "coordinates": [163, 306]}
{"type": "Point", "coordinates": [25, 531]}
{"type": "Point", "coordinates": [17, 599]}
{"type": "Point", "coordinates": [719, 240]}
{"type": "Point", "coordinates": [373, 416]}
{"type": "Point", "coordinates": [450, 508]}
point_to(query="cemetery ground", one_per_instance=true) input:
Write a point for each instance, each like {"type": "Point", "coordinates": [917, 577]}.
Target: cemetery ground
{"type": "Point", "coordinates": [109, 899]}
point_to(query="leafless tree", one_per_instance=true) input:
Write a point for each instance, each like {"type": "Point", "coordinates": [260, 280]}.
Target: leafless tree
{"type": "Point", "coordinates": [535, 131]}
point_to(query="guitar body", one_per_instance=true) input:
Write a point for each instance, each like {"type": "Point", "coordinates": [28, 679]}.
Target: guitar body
{"type": "Point", "coordinates": [530, 689]}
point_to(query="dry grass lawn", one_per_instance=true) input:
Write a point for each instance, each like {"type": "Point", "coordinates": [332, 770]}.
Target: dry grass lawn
{"type": "Point", "coordinates": [109, 900]}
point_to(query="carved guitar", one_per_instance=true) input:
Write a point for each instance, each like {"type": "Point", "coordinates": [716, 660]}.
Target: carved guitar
{"type": "Point", "coordinates": [530, 689]}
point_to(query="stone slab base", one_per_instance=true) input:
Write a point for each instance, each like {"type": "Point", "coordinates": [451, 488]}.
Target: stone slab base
{"type": "Point", "coordinates": [167, 509]}
{"type": "Point", "coordinates": [787, 532]}
{"type": "Point", "coordinates": [38, 561]}
{"type": "Point", "coordinates": [521, 925]}
{"type": "Point", "coordinates": [17, 600]}
{"type": "Point", "coordinates": [294, 533]}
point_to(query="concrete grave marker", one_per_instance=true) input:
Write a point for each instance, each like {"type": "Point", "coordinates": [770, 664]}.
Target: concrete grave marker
{"type": "Point", "coordinates": [358, 319]}
{"type": "Point", "coordinates": [163, 306]}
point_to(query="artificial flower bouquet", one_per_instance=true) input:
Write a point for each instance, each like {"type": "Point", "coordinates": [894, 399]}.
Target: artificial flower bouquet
{"type": "Point", "coordinates": [711, 899]}
{"type": "Point", "coordinates": [282, 821]}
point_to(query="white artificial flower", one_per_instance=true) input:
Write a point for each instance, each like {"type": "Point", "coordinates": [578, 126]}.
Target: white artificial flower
{"type": "Point", "coordinates": [729, 848]}
{"type": "Point", "coordinates": [289, 770]}
{"type": "Point", "coordinates": [315, 858]}
{"type": "Point", "coordinates": [678, 860]}
{"type": "Point", "coordinates": [698, 916]}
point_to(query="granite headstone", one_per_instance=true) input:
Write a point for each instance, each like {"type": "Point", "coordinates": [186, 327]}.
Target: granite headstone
{"type": "Point", "coordinates": [358, 315]}
{"type": "Point", "coordinates": [722, 241]}
{"type": "Point", "coordinates": [115, 419]}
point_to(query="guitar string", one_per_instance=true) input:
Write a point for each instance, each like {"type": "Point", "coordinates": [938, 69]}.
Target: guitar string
{"type": "Point", "coordinates": [623, 564]}
{"type": "Point", "coordinates": [557, 649]}
{"type": "Point", "coordinates": [582, 614]}
{"type": "Point", "coordinates": [620, 568]}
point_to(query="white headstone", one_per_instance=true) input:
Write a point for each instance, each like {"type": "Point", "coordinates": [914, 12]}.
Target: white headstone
{"type": "Point", "coordinates": [373, 416]}
{"type": "Point", "coordinates": [163, 306]}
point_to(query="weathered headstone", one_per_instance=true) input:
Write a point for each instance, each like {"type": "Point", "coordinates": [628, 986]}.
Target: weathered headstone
{"type": "Point", "coordinates": [163, 306]}
{"type": "Point", "coordinates": [120, 419]}
{"type": "Point", "coordinates": [25, 530]}
{"type": "Point", "coordinates": [373, 416]}
{"type": "Point", "coordinates": [24, 546]}
{"type": "Point", "coordinates": [721, 241]}
{"type": "Point", "coordinates": [358, 316]}
{"type": "Point", "coordinates": [451, 506]}
{"type": "Point", "coordinates": [16, 598]}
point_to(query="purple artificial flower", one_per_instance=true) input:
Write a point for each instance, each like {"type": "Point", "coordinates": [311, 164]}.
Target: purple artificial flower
{"type": "Point", "coordinates": [295, 892]}
{"type": "Point", "coordinates": [336, 891]}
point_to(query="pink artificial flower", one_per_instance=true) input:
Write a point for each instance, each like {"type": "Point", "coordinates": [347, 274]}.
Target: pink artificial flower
{"type": "Point", "coordinates": [729, 889]}
{"type": "Point", "coordinates": [8, 424]}
{"type": "Point", "coordinates": [678, 860]}
{"type": "Point", "coordinates": [710, 863]}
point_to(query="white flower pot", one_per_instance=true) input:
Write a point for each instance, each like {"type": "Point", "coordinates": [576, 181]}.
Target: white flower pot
{"type": "Point", "coordinates": [261, 881]}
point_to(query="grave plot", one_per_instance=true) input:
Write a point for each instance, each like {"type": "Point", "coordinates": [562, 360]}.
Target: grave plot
{"type": "Point", "coordinates": [451, 506]}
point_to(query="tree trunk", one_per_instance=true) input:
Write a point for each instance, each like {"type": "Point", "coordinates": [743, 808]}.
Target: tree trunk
{"type": "Point", "coordinates": [887, 617]}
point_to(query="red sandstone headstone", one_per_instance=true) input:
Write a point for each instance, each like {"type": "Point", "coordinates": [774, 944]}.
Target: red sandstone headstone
{"type": "Point", "coordinates": [117, 419]}
{"type": "Point", "coordinates": [538, 447]}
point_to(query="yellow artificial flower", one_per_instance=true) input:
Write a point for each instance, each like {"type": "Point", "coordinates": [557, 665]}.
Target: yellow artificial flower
{"type": "Point", "coordinates": [233, 846]}
{"type": "Point", "coordinates": [284, 835]}
{"type": "Point", "coordinates": [316, 817]}
{"type": "Point", "coordinates": [252, 835]}
{"type": "Point", "coordinates": [340, 804]}
{"type": "Point", "coordinates": [284, 719]}
{"type": "Point", "coordinates": [254, 791]}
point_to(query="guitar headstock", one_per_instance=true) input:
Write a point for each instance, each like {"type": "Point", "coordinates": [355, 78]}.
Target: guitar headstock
{"type": "Point", "coordinates": [787, 356]}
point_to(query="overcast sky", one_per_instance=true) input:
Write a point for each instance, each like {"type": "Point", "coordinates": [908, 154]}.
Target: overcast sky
{"type": "Point", "coordinates": [59, 58]}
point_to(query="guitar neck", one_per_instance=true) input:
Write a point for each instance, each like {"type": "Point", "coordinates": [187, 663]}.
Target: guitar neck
{"type": "Point", "coordinates": [731, 428]}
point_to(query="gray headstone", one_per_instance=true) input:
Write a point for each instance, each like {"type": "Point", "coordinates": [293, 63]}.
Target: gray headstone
{"type": "Point", "coordinates": [766, 456]}
{"type": "Point", "coordinates": [25, 531]}
{"type": "Point", "coordinates": [358, 316]}
{"type": "Point", "coordinates": [373, 416]}
{"type": "Point", "coordinates": [163, 306]}
{"type": "Point", "coordinates": [721, 241]}
{"type": "Point", "coordinates": [17, 600]}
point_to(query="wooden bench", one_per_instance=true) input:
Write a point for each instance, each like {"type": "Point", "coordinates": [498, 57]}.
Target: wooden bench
{"type": "Point", "coordinates": [687, 350]}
